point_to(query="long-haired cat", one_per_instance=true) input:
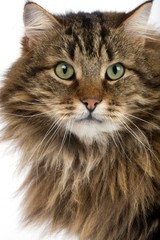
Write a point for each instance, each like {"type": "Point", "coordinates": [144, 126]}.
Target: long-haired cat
{"type": "Point", "coordinates": [83, 104]}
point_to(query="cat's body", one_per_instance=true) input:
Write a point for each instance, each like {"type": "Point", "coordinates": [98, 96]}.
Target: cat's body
{"type": "Point", "coordinates": [91, 143]}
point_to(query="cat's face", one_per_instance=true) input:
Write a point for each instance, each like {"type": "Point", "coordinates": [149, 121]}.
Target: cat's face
{"type": "Point", "coordinates": [87, 73]}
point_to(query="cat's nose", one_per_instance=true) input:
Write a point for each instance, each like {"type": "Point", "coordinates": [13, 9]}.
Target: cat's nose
{"type": "Point", "coordinates": [90, 103]}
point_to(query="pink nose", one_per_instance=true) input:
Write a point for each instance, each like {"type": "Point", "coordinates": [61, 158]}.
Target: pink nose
{"type": "Point", "coordinates": [90, 103]}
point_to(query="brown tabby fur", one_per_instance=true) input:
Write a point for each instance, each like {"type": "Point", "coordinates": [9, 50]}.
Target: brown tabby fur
{"type": "Point", "coordinates": [108, 188]}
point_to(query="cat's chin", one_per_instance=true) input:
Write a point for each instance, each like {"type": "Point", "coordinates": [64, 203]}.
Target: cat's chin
{"type": "Point", "coordinates": [93, 130]}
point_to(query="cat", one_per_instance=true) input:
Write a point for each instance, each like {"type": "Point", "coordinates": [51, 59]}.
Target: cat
{"type": "Point", "coordinates": [83, 105]}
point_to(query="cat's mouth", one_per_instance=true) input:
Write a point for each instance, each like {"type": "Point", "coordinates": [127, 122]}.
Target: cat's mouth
{"type": "Point", "coordinates": [89, 118]}
{"type": "Point", "coordinates": [92, 126]}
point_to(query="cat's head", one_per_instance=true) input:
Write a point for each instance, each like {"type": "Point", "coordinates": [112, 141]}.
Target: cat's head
{"type": "Point", "coordinates": [88, 74]}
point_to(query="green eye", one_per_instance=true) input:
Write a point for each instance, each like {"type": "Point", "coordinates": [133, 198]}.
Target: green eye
{"type": "Point", "coordinates": [64, 71]}
{"type": "Point", "coordinates": [115, 71]}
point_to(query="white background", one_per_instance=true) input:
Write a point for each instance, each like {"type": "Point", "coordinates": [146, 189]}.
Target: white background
{"type": "Point", "coordinates": [11, 31]}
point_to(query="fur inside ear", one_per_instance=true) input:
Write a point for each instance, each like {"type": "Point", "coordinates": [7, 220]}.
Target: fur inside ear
{"type": "Point", "coordinates": [154, 19]}
{"type": "Point", "coordinates": [138, 19]}
{"type": "Point", "coordinates": [37, 21]}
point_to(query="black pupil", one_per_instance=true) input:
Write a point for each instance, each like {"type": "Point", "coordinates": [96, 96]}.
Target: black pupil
{"type": "Point", "coordinates": [64, 69]}
{"type": "Point", "coordinates": [115, 69]}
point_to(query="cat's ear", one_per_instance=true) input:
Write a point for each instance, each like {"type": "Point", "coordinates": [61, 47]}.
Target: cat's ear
{"type": "Point", "coordinates": [154, 19]}
{"type": "Point", "coordinates": [37, 22]}
{"type": "Point", "coordinates": [136, 23]}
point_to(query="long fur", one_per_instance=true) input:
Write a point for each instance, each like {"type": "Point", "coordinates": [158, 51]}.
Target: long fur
{"type": "Point", "coordinates": [100, 187]}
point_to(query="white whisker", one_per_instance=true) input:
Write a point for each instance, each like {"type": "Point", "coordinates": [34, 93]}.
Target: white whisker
{"type": "Point", "coordinates": [147, 145]}
{"type": "Point", "coordinates": [57, 125]}
{"type": "Point", "coordinates": [141, 119]}
{"type": "Point", "coordinates": [63, 140]}
{"type": "Point", "coordinates": [38, 147]}
{"type": "Point", "coordinates": [151, 114]}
